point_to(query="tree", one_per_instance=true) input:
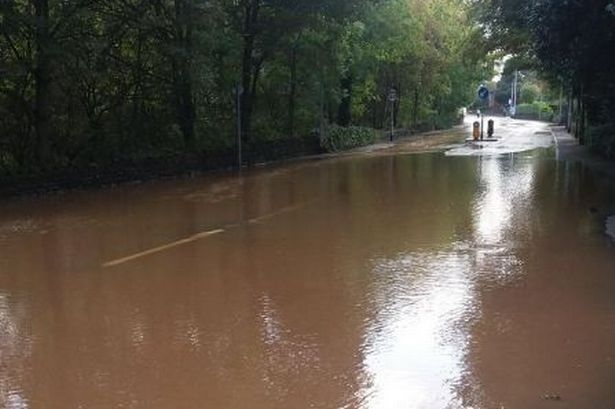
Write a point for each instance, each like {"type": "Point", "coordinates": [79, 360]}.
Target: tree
{"type": "Point", "coordinates": [570, 42]}
{"type": "Point", "coordinates": [88, 84]}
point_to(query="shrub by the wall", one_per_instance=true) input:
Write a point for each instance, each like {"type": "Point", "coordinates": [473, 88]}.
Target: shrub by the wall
{"type": "Point", "coordinates": [536, 111]}
{"type": "Point", "coordinates": [340, 138]}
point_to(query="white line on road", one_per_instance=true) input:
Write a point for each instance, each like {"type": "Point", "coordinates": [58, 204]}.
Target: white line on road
{"type": "Point", "coordinates": [278, 213]}
{"type": "Point", "coordinates": [196, 237]}
{"type": "Point", "coordinates": [158, 249]}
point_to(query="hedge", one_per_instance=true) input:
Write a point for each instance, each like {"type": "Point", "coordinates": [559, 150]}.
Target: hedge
{"type": "Point", "coordinates": [536, 110]}
{"type": "Point", "coordinates": [340, 138]}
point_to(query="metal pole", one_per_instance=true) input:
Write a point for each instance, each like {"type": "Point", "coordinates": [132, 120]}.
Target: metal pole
{"type": "Point", "coordinates": [392, 119]}
{"type": "Point", "coordinates": [516, 88]}
{"type": "Point", "coordinates": [482, 126]}
{"type": "Point", "coordinates": [238, 91]}
{"type": "Point", "coordinates": [513, 107]}
{"type": "Point", "coordinates": [561, 102]}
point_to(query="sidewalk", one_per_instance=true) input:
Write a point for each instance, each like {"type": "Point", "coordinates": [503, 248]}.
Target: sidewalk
{"type": "Point", "coordinates": [568, 149]}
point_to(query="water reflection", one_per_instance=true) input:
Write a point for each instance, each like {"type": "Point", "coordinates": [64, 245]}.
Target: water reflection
{"type": "Point", "coordinates": [15, 347]}
{"type": "Point", "coordinates": [415, 349]}
{"type": "Point", "coordinates": [506, 189]}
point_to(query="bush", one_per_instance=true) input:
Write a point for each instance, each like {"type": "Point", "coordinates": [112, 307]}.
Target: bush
{"type": "Point", "coordinates": [536, 110]}
{"type": "Point", "coordinates": [340, 139]}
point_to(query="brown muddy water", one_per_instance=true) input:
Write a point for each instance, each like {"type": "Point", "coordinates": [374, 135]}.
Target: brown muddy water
{"type": "Point", "coordinates": [401, 281]}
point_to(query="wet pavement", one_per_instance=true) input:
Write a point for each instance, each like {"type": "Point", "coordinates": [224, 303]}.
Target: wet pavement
{"type": "Point", "coordinates": [510, 136]}
{"type": "Point", "coordinates": [388, 280]}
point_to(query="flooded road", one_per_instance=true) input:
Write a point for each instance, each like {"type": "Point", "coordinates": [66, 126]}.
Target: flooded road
{"type": "Point", "coordinates": [384, 281]}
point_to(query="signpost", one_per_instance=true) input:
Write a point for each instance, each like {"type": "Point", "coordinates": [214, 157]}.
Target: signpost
{"type": "Point", "coordinates": [392, 97]}
{"type": "Point", "coordinates": [483, 94]}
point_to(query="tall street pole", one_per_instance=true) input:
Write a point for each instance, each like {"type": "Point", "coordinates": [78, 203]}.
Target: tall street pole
{"type": "Point", "coordinates": [516, 89]}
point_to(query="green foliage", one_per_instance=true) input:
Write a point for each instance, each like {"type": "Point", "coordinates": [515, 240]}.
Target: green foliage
{"type": "Point", "coordinates": [340, 138]}
{"type": "Point", "coordinates": [570, 42]}
{"type": "Point", "coordinates": [536, 110]}
{"type": "Point", "coordinates": [529, 93]}
{"type": "Point", "coordinates": [601, 139]}
{"type": "Point", "coordinates": [95, 83]}
{"type": "Point", "coordinates": [428, 51]}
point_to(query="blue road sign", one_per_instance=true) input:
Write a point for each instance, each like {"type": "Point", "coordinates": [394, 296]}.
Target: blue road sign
{"type": "Point", "coordinates": [483, 92]}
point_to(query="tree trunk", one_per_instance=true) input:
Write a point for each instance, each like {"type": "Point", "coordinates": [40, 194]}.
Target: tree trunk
{"type": "Point", "coordinates": [415, 109]}
{"type": "Point", "coordinates": [186, 110]}
{"type": "Point", "coordinates": [248, 72]}
{"type": "Point", "coordinates": [43, 82]}
{"type": "Point", "coordinates": [579, 114]}
{"type": "Point", "coordinates": [293, 91]}
{"type": "Point", "coordinates": [397, 106]}
{"type": "Point", "coordinates": [344, 115]}
{"type": "Point", "coordinates": [582, 119]}
{"type": "Point", "coordinates": [570, 111]}
{"type": "Point", "coordinates": [136, 120]}
{"type": "Point", "coordinates": [182, 73]}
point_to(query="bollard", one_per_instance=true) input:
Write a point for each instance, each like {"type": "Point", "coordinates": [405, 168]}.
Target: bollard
{"type": "Point", "coordinates": [476, 131]}
{"type": "Point", "coordinates": [490, 128]}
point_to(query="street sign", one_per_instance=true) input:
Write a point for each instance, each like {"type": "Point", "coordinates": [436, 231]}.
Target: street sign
{"type": "Point", "coordinates": [483, 92]}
